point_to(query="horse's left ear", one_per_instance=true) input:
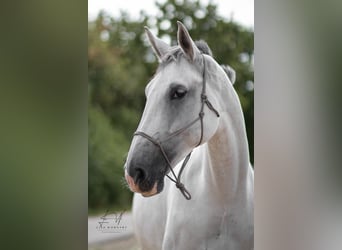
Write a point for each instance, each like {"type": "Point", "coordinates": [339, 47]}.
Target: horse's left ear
{"type": "Point", "coordinates": [186, 43]}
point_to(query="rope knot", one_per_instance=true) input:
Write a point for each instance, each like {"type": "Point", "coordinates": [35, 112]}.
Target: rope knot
{"type": "Point", "coordinates": [201, 114]}
{"type": "Point", "coordinates": [204, 97]}
{"type": "Point", "coordinates": [179, 185]}
{"type": "Point", "coordinates": [183, 190]}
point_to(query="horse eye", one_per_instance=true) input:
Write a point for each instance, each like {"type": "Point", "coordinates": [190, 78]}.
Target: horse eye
{"type": "Point", "coordinates": [178, 93]}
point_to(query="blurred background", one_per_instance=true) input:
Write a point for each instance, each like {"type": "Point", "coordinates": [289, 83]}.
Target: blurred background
{"type": "Point", "coordinates": [45, 89]}
{"type": "Point", "coordinates": [120, 64]}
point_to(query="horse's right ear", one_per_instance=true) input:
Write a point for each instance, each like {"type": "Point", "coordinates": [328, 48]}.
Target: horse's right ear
{"type": "Point", "coordinates": [159, 47]}
{"type": "Point", "coordinates": [230, 73]}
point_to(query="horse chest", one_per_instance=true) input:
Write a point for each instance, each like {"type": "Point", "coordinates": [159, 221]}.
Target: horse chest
{"type": "Point", "coordinates": [201, 223]}
{"type": "Point", "coordinates": [204, 222]}
{"type": "Point", "coordinates": [196, 228]}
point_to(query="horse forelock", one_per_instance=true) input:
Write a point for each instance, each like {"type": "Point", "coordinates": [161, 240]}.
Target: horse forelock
{"type": "Point", "coordinates": [176, 53]}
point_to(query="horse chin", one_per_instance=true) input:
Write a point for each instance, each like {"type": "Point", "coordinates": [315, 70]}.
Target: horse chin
{"type": "Point", "coordinates": [157, 188]}
{"type": "Point", "coordinates": [136, 189]}
{"type": "Point", "coordinates": [150, 193]}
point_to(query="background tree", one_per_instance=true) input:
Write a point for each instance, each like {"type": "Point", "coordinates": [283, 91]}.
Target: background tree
{"type": "Point", "coordinates": [120, 63]}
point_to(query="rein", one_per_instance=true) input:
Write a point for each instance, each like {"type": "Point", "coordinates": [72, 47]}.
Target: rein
{"type": "Point", "coordinates": [204, 101]}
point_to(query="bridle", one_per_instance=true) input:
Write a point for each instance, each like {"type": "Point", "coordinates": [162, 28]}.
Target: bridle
{"type": "Point", "coordinates": [204, 101]}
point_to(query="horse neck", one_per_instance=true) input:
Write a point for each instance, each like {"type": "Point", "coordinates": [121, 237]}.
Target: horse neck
{"type": "Point", "coordinates": [228, 151]}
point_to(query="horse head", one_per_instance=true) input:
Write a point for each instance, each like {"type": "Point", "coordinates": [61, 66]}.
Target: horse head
{"type": "Point", "coordinates": [173, 122]}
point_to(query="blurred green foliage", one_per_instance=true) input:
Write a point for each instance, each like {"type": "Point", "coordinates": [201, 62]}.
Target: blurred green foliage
{"type": "Point", "coordinates": [120, 64]}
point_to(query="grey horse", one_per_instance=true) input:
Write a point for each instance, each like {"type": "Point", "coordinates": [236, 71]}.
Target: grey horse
{"type": "Point", "coordinates": [191, 107]}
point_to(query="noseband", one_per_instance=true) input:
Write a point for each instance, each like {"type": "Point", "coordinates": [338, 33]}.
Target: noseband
{"type": "Point", "coordinates": [204, 100]}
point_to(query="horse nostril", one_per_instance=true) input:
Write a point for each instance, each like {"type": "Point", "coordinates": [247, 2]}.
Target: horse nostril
{"type": "Point", "coordinates": [139, 175]}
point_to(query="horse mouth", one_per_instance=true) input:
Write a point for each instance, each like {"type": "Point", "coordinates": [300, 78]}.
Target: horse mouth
{"type": "Point", "coordinates": [134, 187]}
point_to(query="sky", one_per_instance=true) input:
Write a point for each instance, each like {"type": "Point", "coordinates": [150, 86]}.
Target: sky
{"type": "Point", "coordinates": [242, 11]}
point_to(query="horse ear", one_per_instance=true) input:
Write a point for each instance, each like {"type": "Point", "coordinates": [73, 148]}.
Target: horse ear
{"type": "Point", "coordinates": [230, 73]}
{"type": "Point", "coordinates": [159, 47]}
{"type": "Point", "coordinates": [186, 43]}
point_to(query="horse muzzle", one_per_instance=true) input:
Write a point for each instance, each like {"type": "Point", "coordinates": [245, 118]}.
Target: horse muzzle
{"type": "Point", "coordinates": [134, 187]}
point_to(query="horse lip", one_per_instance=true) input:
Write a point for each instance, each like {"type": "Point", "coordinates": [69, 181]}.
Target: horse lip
{"type": "Point", "coordinates": [135, 187]}
{"type": "Point", "coordinates": [130, 182]}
